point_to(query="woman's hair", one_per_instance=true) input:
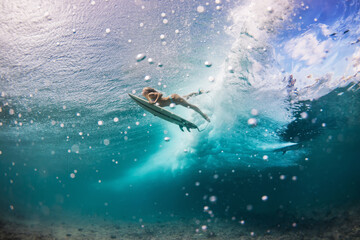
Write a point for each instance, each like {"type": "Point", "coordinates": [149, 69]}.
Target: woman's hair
{"type": "Point", "coordinates": [149, 90]}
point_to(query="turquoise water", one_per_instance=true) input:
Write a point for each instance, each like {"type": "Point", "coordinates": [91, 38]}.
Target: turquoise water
{"type": "Point", "coordinates": [73, 142]}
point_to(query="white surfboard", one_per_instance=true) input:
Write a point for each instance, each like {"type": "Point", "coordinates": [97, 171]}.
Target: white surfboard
{"type": "Point", "coordinates": [164, 114]}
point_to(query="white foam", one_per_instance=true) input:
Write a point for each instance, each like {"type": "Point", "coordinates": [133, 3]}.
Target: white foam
{"type": "Point", "coordinates": [260, 18]}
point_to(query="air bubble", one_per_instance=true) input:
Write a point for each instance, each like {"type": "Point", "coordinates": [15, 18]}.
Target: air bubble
{"type": "Point", "coordinates": [116, 119]}
{"type": "Point", "coordinates": [92, 2]}
{"type": "Point", "coordinates": [264, 198]}
{"type": "Point", "coordinates": [249, 207]}
{"type": "Point", "coordinates": [208, 64]}
{"type": "Point", "coordinates": [252, 122]}
{"type": "Point", "coordinates": [140, 57]}
{"type": "Point", "coordinates": [163, 15]}
{"type": "Point", "coordinates": [254, 112]}
{"type": "Point", "coordinates": [211, 79]}
{"type": "Point", "coordinates": [165, 21]}
{"type": "Point", "coordinates": [147, 78]}
{"type": "Point", "coordinates": [200, 9]}
{"type": "Point", "coordinates": [303, 115]}
{"type": "Point", "coordinates": [106, 142]}
{"type": "Point", "coordinates": [167, 139]}
{"type": "Point", "coordinates": [151, 61]}
{"type": "Point", "coordinates": [100, 122]}
{"type": "Point", "coordinates": [213, 199]}
{"type": "Point", "coordinates": [72, 175]}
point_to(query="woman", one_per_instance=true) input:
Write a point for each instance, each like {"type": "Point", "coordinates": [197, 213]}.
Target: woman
{"type": "Point", "coordinates": [155, 97]}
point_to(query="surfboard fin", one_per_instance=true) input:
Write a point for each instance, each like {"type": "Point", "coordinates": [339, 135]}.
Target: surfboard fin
{"type": "Point", "coordinates": [182, 128]}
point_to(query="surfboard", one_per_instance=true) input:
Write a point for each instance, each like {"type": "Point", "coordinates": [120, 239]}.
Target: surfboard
{"type": "Point", "coordinates": [164, 114]}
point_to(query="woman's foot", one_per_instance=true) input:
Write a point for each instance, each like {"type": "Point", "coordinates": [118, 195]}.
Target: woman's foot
{"type": "Point", "coordinates": [202, 91]}
{"type": "Point", "coordinates": [206, 118]}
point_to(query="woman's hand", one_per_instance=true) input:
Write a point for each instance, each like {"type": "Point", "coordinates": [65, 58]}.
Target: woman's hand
{"type": "Point", "coordinates": [158, 96]}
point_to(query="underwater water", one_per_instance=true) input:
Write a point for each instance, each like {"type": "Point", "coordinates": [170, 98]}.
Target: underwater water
{"type": "Point", "coordinates": [275, 154]}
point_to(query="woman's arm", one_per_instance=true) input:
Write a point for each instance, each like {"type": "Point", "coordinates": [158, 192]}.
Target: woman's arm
{"type": "Point", "coordinates": [158, 96]}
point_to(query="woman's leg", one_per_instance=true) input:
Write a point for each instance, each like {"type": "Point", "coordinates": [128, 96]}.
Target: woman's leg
{"type": "Point", "coordinates": [194, 94]}
{"type": "Point", "coordinates": [181, 101]}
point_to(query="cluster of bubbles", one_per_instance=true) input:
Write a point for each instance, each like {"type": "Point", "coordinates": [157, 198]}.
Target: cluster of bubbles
{"type": "Point", "coordinates": [73, 174]}
{"type": "Point", "coordinates": [253, 121]}
{"type": "Point", "coordinates": [202, 9]}
{"type": "Point", "coordinates": [141, 56]}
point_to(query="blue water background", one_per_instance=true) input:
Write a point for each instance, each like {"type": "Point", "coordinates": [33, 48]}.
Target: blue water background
{"type": "Point", "coordinates": [73, 142]}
